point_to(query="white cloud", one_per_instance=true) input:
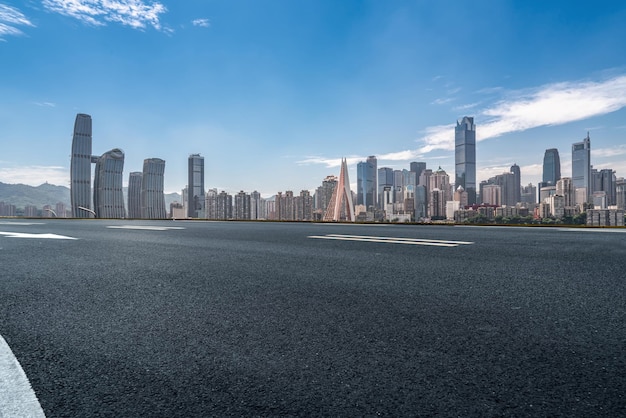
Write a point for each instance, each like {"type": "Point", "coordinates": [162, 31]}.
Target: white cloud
{"type": "Point", "coordinates": [10, 17]}
{"type": "Point", "coordinates": [137, 14]}
{"type": "Point", "coordinates": [204, 23]}
{"type": "Point", "coordinates": [608, 152]}
{"type": "Point", "coordinates": [443, 100]}
{"type": "Point", "coordinates": [45, 104]}
{"type": "Point", "coordinates": [330, 162]}
{"type": "Point", "coordinates": [553, 104]}
{"type": "Point", "coordinates": [35, 175]}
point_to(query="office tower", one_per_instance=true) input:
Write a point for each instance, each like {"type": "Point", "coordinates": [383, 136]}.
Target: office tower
{"type": "Point", "coordinates": [80, 171]}
{"type": "Point", "coordinates": [517, 183]}
{"type": "Point", "coordinates": [551, 167]}
{"type": "Point", "coordinates": [465, 157]}
{"type": "Point", "coordinates": [506, 181]}
{"type": "Point", "coordinates": [398, 186]}
{"type": "Point", "coordinates": [581, 169]}
{"type": "Point", "coordinates": [620, 193]}
{"type": "Point", "coordinates": [108, 195]}
{"type": "Point", "coordinates": [421, 202]}
{"type": "Point", "coordinates": [134, 195]}
{"type": "Point", "coordinates": [152, 197]}
{"type": "Point", "coordinates": [417, 168]}
{"type": "Point", "coordinates": [195, 186]}
{"type": "Point", "coordinates": [565, 188]}
{"type": "Point", "coordinates": [529, 194]}
{"type": "Point", "coordinates": [366, 182]}
{"type": "Point", "coordinates": [385, 179]}
{"type": "Point", "coordinates": [607, 184]}
{"type": "Point", "coordinates": [341, 206]}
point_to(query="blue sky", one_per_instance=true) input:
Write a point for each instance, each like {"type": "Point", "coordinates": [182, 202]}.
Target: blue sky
{"type": "Point", "coordinates": [274, 93]}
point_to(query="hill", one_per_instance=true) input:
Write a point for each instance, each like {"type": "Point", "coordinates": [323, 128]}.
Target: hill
{"type": "Point", "coordinates": [22, 195]}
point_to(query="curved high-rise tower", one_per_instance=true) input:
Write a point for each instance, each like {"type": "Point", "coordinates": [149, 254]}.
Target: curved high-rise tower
{"type": "Point", "coordinates": [108, 196]}
{"type": "Point", "coordinates": [80, 171]}
{"type": "Point", "coordinates": [134, 194]}
{"type": "Point", "coordinates": [551, 167]}
{"type": "Point", "coordinates": [152, 197]}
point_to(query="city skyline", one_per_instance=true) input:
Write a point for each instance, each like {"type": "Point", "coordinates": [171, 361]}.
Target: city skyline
{"type": "Point", "coordinates": [272, 112]}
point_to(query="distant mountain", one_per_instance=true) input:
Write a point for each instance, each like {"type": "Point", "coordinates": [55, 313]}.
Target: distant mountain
{"type": "Point", "coordinates": [22, 195]}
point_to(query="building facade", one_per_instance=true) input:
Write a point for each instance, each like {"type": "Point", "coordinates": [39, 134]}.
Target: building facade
{"type": "Point", "coordinates": [152, 196]}
{"type": "Point", "coordinates": [108, 195]}
{"type": "Point", "coordinates": [465, 157]}
{"type": "Point", "coordinates": [551, 167]}
{"type": "Point", "coordinates": [134, 194]}
{"type": "Point", "coordinates": [581, 169]}
{"type": "Point", "coordinates": [80, 167]}
{"type": "Point", "coordinates": [366, 173]}
{"type": "Point", "coordinates": [195, 187]}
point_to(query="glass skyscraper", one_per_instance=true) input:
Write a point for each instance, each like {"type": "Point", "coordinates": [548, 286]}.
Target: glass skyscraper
{"type": "Point", "coordinates": [366, 173]}
{"type": "Point", "coordinates": [80, 171]}
{"type": "Point", "coordinates": [152, 197]}
{"type": "Point", "coordinates": [465, 157]}
{"type": "Point", "coordinates": [108, 196]}
{"type": "Point", "coordinates": [581, 169]}
{"type": "Point", "coordinates": [195, 186]}
{"type": "Point", "coordinates": [551, 167]}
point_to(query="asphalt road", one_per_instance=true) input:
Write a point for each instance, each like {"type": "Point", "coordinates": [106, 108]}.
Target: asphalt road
{"type": "Point", "coordinates": [262, 319]}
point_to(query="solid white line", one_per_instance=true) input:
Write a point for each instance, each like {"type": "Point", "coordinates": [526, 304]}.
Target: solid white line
{"type": "Point", "coordinates": [22, 223]}
{"type": "Point", "coordinates": [403, 239]}
{"type": "Point", "coordinates": [17, 398]}
{"type": "Point", "coordinates": [388, 241]}
{"type": "Point", "coordinates": [146, 227]}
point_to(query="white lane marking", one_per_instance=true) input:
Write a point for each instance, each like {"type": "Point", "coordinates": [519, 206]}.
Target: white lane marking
{"type": "Point", "coordinates": [36, 236]}
{"type": "Point", "coordinates": [145, 227]}
{"type": "Point", "coordinates": [17, 398]}
{"type": "Point", "coordinates": [22, 223]}
{"type": "Point", "coordinates": [403, 239]}
{"type": "Point", "coordinates": [593, 230]}
{"type": "Point", "coordinates": [392, 240]}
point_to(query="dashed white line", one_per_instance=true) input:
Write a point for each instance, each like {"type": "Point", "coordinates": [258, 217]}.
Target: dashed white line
{"type": "Point", "coordinates": [36, 236]}
{"type": "Point", "coordinates": [145, 227]}
{"type": "Point", "coordinates": [17, 398]}
{"type": "Point", "coordinates": [392, 240]}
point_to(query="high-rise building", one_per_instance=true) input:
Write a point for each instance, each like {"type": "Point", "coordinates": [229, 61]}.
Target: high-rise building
{"type": "Point", "coordinates": [241, 210]}
{"type": "Point", "coordinates": [256, 206]}
{"type": "Point", "coordinates": [565, 188]}
{"type": "Point", "coordinates": [517, 183]}
{"type": "Point", "coordinates": [134, 194]}
{"type": "Point", "coordinates": [465, 157]}
{"type": "Point", "coordinates": [108, 195]}
{"type": "Point", "coordinates": [80, 171]}
{"type": "Point", "coordinates": [324, 193]}
{"type": "Point", "coordinates": [551, 167]}
{"type": "Point", "coordinates": [385, 179]}
{"type": "Point", "coordinates": [581, 169]}
{"type": "Point", "coordinates": [620, 193]}
{"type": "Point", "coordinates": [152, 197]}
{"type": "Point", "coordinates": [224, 206]}
{"type": "Point", "coordinates": [304, 206]}
{"type": "Point", "coordinates": [366, 172]}
{"type": "Point", "coordinates": [195, 186]}
{"type": "Point", "coordinates": [417, 168]}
